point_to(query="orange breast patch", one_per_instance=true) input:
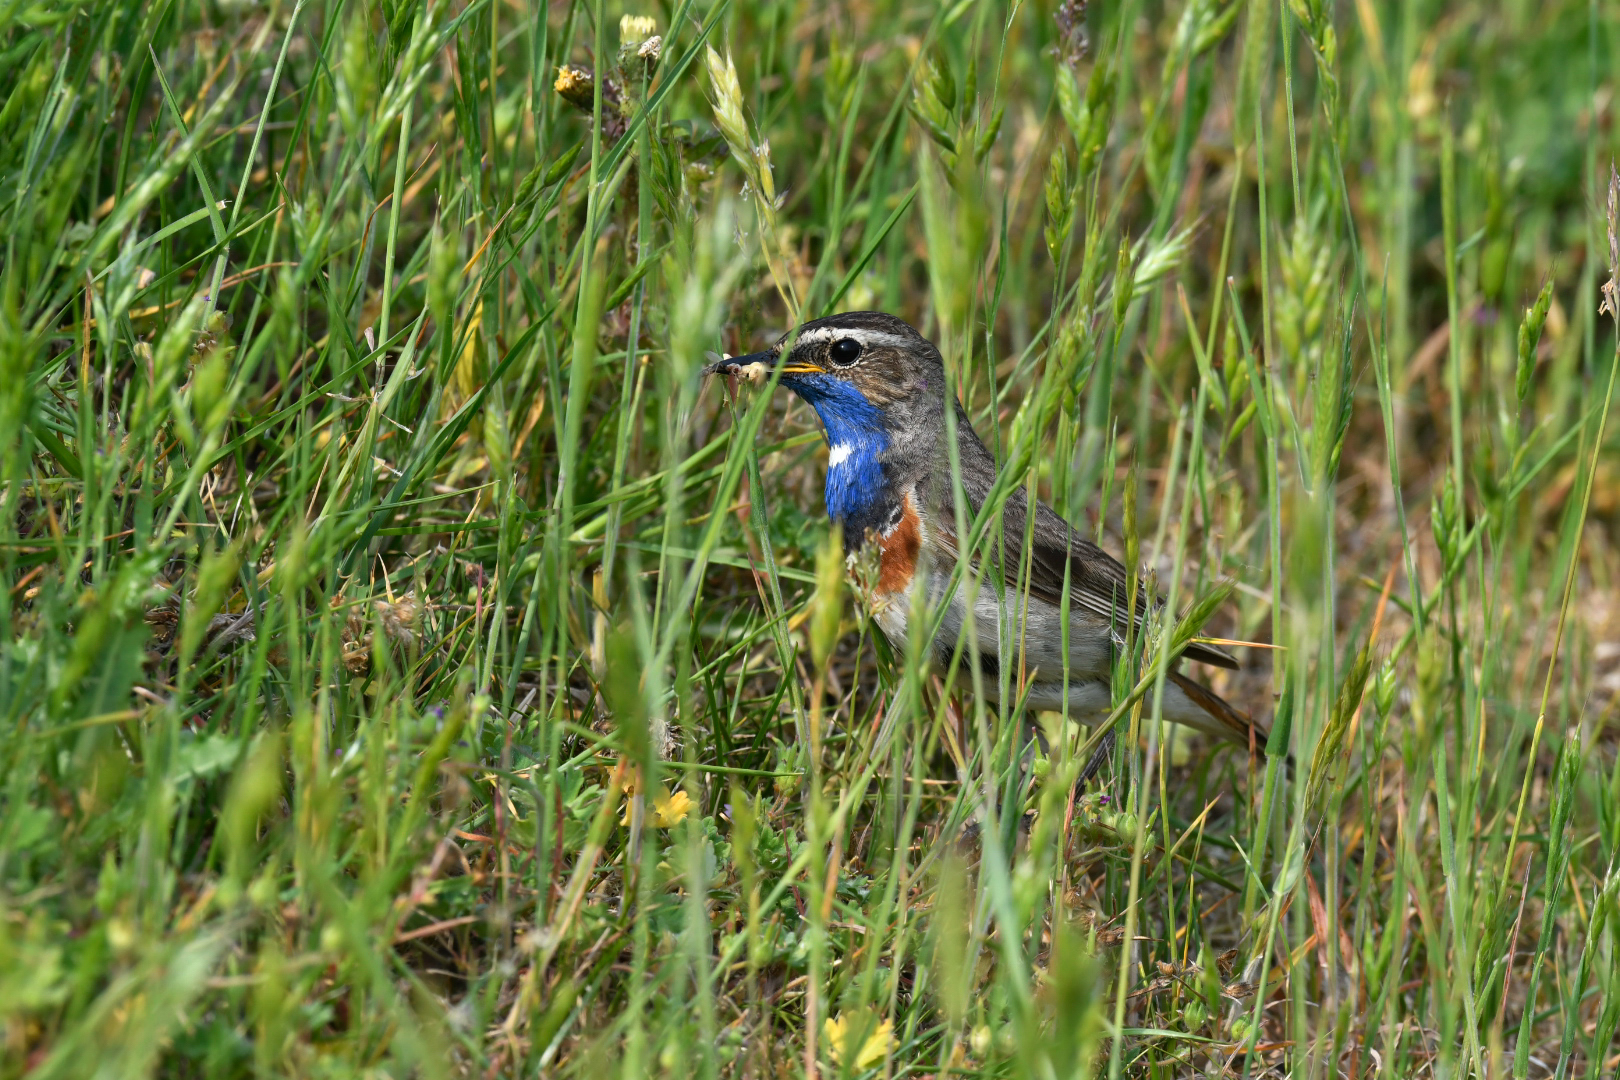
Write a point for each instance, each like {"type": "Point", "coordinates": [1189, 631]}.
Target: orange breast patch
{"type": "Point", "coordinates": [900, 547]}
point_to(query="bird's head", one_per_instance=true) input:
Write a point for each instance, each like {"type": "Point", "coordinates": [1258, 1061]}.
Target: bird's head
{"type": "Point", "coordinates": [878, 387]}
{"type": "Point", "coordinates": [859, 367]}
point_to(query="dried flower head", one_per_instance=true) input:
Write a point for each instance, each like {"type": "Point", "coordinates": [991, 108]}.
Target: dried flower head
{"type": "Point", "coordinates": [576, 85]}
{"type": "Point", "coordinates": [399, 619]}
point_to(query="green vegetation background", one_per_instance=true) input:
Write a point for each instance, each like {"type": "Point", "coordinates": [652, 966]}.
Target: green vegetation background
{"type": "Point", "coordinates": [411, 668]}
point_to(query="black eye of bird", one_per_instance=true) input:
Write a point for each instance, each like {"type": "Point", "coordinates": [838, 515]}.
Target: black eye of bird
{"type": "Point", "coordinates": [845, 351]}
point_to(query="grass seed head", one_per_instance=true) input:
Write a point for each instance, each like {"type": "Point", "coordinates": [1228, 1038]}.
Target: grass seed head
{"type": "Point", "coordinates": [728, 105]}
{"type": "Point", "coordinates": [1059, 204]}
{"type": "Point", "coordinates": [1535, 318]}
{"type": "Point", "coordinates": [1073, 41]}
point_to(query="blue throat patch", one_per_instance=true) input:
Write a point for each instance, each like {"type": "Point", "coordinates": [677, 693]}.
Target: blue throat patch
{"type": "Point", "coordinates": [857, 493]}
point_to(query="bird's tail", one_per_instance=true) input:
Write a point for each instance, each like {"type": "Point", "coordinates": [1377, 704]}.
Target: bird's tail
{"type": "Point", "coordinates": [1223, 719]}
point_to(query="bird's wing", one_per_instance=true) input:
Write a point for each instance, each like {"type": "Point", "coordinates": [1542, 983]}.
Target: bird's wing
{"type": "Point", "coordinates": [1097, 581]}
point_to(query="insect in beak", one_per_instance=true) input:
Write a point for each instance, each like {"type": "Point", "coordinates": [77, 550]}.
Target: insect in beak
{"type": "Point", "coordinates": [754, 367]}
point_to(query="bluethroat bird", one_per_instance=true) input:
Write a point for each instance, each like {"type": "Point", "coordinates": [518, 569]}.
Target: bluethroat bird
{"type": "Point", "coordinates": [879, 388]}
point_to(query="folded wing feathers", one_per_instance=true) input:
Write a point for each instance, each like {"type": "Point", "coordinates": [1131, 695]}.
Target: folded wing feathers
{"type": "Point", "coordinates": [1097, 581]}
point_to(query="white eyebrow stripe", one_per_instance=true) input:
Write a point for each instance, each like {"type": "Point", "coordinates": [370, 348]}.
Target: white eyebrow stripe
{"type": "Point", "coordinates": [865, 337]}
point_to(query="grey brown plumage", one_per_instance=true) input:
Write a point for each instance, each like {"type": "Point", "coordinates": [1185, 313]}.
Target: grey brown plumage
{"type": "Point", "coordinates": [879, 388]}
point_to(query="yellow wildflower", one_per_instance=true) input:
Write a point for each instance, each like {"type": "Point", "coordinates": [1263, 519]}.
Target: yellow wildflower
{"type": "Point", "coordinates": [840, 1030]}
{"type": "Point", "coordinates": [635, 29]}
{"type": "Point", "coordinates": [671, 809]}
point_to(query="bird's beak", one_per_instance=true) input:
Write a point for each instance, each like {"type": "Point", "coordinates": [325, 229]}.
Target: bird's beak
{"type": "Point", "coordinates": [756, 367]}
